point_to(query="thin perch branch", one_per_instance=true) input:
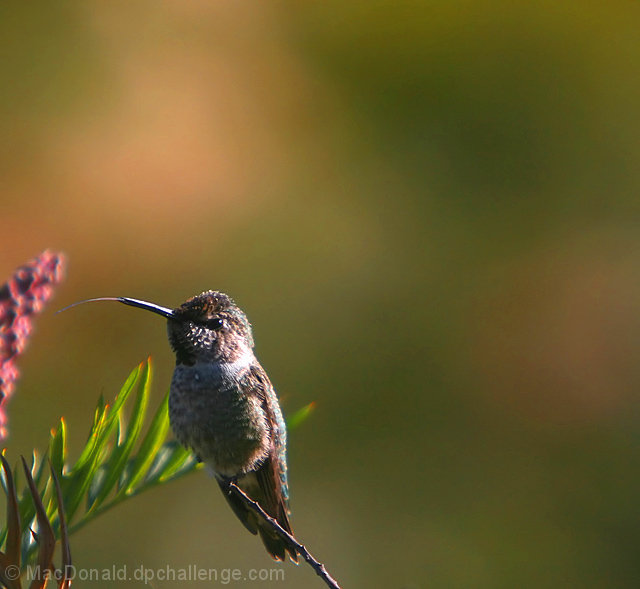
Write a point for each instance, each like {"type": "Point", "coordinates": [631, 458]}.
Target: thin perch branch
{"type": "Point", "coordinates": [318, 567]}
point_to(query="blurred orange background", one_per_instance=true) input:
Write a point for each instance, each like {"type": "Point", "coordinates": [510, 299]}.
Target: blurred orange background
{"type": "Point", "coordinates": [429, 212]}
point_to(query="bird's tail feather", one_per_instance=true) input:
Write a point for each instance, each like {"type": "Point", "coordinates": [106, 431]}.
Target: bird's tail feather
{"type": "Point", "coordinates": [275, 546]}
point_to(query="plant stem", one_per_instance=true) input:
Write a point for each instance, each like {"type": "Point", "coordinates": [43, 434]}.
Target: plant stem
{"type": "Point", "coordinates": [319, 568]}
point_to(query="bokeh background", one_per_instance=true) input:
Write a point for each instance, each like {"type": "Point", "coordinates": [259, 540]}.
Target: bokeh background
{"type": "Point", "coordinates": [430, 213]}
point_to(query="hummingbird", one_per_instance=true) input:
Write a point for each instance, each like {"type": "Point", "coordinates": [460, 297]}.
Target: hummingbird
{"type": "Point", "coordinates": [223, 407]}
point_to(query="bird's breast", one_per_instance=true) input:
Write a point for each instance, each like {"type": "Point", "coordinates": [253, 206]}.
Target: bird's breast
{"type": "Point", "coordinates": [223, 422]}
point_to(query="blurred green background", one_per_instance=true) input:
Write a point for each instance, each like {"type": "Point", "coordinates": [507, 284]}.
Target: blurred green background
{"type": "Point", "coordinates": [429, 211]}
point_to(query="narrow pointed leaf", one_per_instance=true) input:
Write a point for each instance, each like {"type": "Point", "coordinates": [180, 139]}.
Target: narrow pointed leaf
{"type": "Point", "coordinates": [108, 461]}
{"type": "Point", "coordinates": [108, 420]}
{"type": "Point", "coordinates": [80, 479]}
{"type": "Point", "coordinates": [96, 486]}
{"type": "Point", "coordinates": [92, 439]}
{"type": "Point", "coordinates": [46, 538]}
{"type": "Point", "coordinates": [113, 421]}
{"type": "Point", "coordinates": [300, 415]}
{"type": "Point", "coordinates": [57, 447]}
{"type": "Point", "coordinates": [172, 459]}
{"type": "Point", "coordinates": [64, 533]}
{"type": "Point", "coordinates": [128, 386]}
{"type": "Point", "coordinates": [25, 505]}
{"type": "Point", "coordinates": [27, 516]}
{"type": "Point", "coordinates": [37, 468]}
{"type": "Point", "coordinates": [100, 407]}
{"type": "Point", "coordinates": [149, 447]}
{"type": "Point", "coordinates": [3, 480]}
{"type": "Point", "coordinates": [186, 465]}
{"type": "Point", "coordinates": [12, 549]}
{"type": "Point", "coordinates": [121, 453]}
{"type": "Point", "coordinates": [49, 506]}
{"type": "Point", "coordinates": [170, 453]}
{"type": "Point", "coordinates": [105, 421]}
{"type": "Point", "coordinates": [121, 428]}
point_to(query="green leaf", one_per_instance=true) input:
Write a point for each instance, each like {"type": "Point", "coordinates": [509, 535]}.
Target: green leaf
{"type": "Point", "coordinates": [149, 448]}
{"type": "Point", "coordinates": [102, 427]}
{"type": "Point", "coordinates": [57, 448]}
{"type": "Point", "coordinates": [300, 415]}
{"type": "Point", "coordinates": [171, 459]}
{"type": "Point", "coordinates": [96, 451]}
{"type": "Point", "coordinates": [108, 461]}
{"type": "Point", "coordinates": [79, 479]}
{"type": "Point", "coordinates": [37, 467]}
{"type": "Point", "coordinates": [92, 439]}
{"type": "Point", "coordinates": [188, 463]}
{"type": "Point", "coordinates": [62, 526]}
{"type": "Point", "coordinates": [46, 535]}
{"type": "Point", "coordinates": [121, 453]}
{"type": "Point", "coordinates": [127, 387]}
{"type": "Point", "coordinates": [25, 504]}
{"type": "Point", "coordinates": [13, 515]}
{"type": "Point", "coordinates": [96, 485]}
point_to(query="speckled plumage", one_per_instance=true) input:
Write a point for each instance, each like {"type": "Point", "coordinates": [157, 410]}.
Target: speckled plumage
{"type": "Point", "coordinates": [222, 406]}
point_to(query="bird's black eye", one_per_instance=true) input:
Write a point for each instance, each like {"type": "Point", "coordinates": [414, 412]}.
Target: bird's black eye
{"type": "Point", "coordinates": [214, 323]}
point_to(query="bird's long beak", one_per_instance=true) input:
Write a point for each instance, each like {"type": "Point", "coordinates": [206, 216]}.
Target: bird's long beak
{"type": "Point", "coordinates": [164, 311]}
